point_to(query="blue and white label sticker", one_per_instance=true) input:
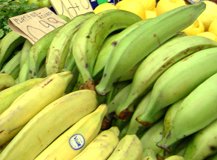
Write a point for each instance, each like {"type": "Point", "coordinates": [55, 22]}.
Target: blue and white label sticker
{"type": "Point", "coordinates": [77, 141]}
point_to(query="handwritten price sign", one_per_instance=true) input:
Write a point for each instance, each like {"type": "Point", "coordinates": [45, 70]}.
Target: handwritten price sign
{"type": "Point", "coordinates": [71, 8]}
{"type": "Point", "coordinates": [34, 25]}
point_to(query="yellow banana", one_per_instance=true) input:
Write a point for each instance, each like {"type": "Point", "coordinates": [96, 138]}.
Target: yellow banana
{"type": "Point", "coordinates": [76, 138]}
{"type": "Point", "coordinates": [6, 81]}
{"type": "Point", "coordinates": [30, 103]}
{"type": "Point", "coordinates": [101, 147]}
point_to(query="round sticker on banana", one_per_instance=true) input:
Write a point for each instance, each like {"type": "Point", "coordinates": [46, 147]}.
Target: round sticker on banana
{"type": "Point", "coordinates": [76, 141]}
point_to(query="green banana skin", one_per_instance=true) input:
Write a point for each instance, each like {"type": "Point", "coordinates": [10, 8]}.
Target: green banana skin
{"type": "Point", "coordinates": [8, 95]}
{"type": "Point", "coordinates": [25, 52]}
{"type": "Point", "coordinates": [65, 18]}
{"type": "Point", "coordinates": [142, 41]}
{"type": "Point", "coordinates": [59, 47]}
{"type": "Point", "coordinates": [91, 35]}
{"type": "Point", "coordinates": [178, 81]}
{"type": "Point", "coordinates": [12, 65]}
{"type": "Point", "coordinates": [37, 55]}
{"type": "Point", "coordinates": [160, 60]}
{"type": "Point", "coordinates": [6, 81]}
{"type": "Point", "coordinates": [203, 144]}
{"type": "Point", "coordinates": [196, 111]}
{"type": "Point", "coordinates": [8, 45]}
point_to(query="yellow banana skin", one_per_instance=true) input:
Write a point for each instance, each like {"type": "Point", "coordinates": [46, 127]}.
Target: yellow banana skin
{"type": "Point", "coordinates": [203, 143]}
{"type": "Point", "coordinates": [30, 103]}
{"type": "Point", "coordinates": [6, 81]}
{"type": "Point", "coordinates": [59, 47]}
{"type": "Point", "coordinates": [8, 45]}
{"type": "Point", "coordinates": [160, 60]}
{"type": "Point", "coordinates": [101, 147]}
{"type": "Point", "coordinates": [47, 124]}
{"type": "Point", "coordinates": [8, 95]}
{"type": "Point", "coordinates": [128, 148]}
{"type": "Point", "coordinates": [196, 111]}
{"type": "Point", "coordinates": [76, 138]}
{"type": "Point", "coordinates": [142, 41]}
{"type": "Point", "coordinates": [91, 35]}
{"type": "Point", "coordinates": [178, 81]}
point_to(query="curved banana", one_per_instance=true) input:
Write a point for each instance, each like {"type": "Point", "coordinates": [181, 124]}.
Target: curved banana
{"type": "Point", "coordinates": [59, 47]}
{"type": "Point", "coordinates": [160, 60]}
{"type": "Point", "coordinates": [129, 147]}
{"type": "Point", "coordinates": [76, 138]}
{"type": "Point", "coordinates": [8, 95]}
{"type": "Point", "coordinates": [28, 104]}
{"type": "Point", "coordinates": [195, 112]}
{"type": "Point", "coordinates": [49, 123]}
{"type": "Point", "coordinates": [179, 80]}
{"type": "Point", "coordinates": [101, 147]}
{"type": "Point", "coordinates": [142, 41]}
{"type": "Point", "coordinates": [203, 143]}
{"type": "Point", "coordinates": [6, 81]}
{"type": "Point", "coordinates": [8, 45]}
{"type": "Point", "coordinates": [91, 35]}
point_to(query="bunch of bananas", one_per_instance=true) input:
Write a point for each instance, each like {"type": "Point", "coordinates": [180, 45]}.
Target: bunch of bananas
{"type": "Point", "coordinates": [110, 86]}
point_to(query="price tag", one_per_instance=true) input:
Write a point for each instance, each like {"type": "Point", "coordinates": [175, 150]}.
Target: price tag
{"type": "Point", "coordinates": [71, 8]}
{"type": "Point", "coordinates": [34, 25]}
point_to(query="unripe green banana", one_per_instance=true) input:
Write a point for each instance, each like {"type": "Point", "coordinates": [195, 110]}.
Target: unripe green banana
{"type": "Point", "coordinates": [28, 104]}
{"type": "Point", "coordinates": [178, 81]}
{"type": "Point", "coordinates": [196, 111]}
{"type": "Point", "coordinates": [203, 143]}
{"type": "Point", "coordinates": [101, 147]}
{"type": "Point", "coordinates": [174, 157]}
{"type": "Point", "coordinates": [8, 95]}
{"type": "Point", "coordinates": [146, 38]}
{"type": "Point", "coordinates": [59, 47]}
{"type": "Point", "coordinates": [49, 123]}
{"type": "Point", "coordinates": [160, 60]}
{"type": "Point", "coordinates": [91, 35]}
{"type": "Point", "coordinates": [8, 45]}
{"type": "Point", "coordinates": [76, 138]}
{"type": "Point", "coordinates": [129, 147]}
{"type": "Point", "coordinates": [6, 81]}
{"type": "Point", "coordinates": [149, 154]}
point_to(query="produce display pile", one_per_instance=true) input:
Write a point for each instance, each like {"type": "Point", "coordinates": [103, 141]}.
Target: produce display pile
{"type": "Point", "coordinates": [112, 85]}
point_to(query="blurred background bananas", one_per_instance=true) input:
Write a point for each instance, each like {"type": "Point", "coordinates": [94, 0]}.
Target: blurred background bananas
{"type": "Point", "coordinates": [112, 84]}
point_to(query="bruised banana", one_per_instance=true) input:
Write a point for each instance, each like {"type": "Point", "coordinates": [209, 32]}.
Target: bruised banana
{"type": "Point", "coordinates": [160, 60]}
{"type": "Point", "coordinates": [49, 123]}
{"type": "Point", "coordinates": [203, 144]}
{"type": "Point", "coordinates": [76, 138]}
{"type": "Point", "coordinates": [6, 81]}
{"type": "Point", "coordinates": [91, 35]}
{"type": "Point", "coordinates": [134, 47]}
{"type": "Point", "coordinates": [59, 47]}
{"type": "Point", "coordinates": [197, 111]}
{"type": "Point", "coordinates": [28, 104]}
{"type": "Point", "coordinates": [8, 95]}
{"type": "Point", "coordinates": [8, 45]}
{"type": "Point", "coordinates": [128, 148]}
{"type": "Point", "coordinates": [178, 81]}
{"type": "Point", "coordinates": [101, 147]}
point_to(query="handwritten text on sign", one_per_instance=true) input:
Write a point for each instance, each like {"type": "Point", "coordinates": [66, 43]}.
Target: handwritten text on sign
{"type": "Point", "coordinates": [71, 8]}
{"type": "Point", "coordinates": [34, 25]}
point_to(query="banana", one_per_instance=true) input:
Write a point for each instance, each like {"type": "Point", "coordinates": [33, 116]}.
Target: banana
{"type": "Point", "coordinates": [25, 52]}
{"type": "Point", "coordinates": [12, 65]}
{"type": "Point", "coordinates": [59, 47]}
{"type": "Point", "coordinates": [203, 144]}
{"type": "Point", "coordinates": [195, 112]}
{"type": "Point", "coordinates": [28, 104]}
{"type": "Point", "coordinates": [37, 55]}
{"type": "Point", "coordinates": [8, 95]}
{"type": "Point", "coordinates": [178, 81]}
{"type": "Point", "coordinates": [91, 35]}
{"type": "Point", "coordinates": [6, 81]}
{"type": "Point", "coordinates": [149, 154]}
{"type": "Point", "coordinates": [65, 18]}
{"type": "Point", "coordinates": [47, 125]}
{"type": "Point", "coordinates": [142, 41]}
{"type": "Point", "coordinates": [76, 138]}
{"type": "Point", "coordinates": [128, 148]}
{"type": "Point", "coordinates": [8, 45]}
{"type": "Point", "coordinates": [160, 60]}
{"type": "Point", "coordinates": [175, 157]}
{"type": "Point", "coordinates": [101, 147]}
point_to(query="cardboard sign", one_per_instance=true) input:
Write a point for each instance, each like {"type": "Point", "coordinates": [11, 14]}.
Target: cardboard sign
{"type": "Point", "coordinates": [71, 8]}
{"type": "Point", "coordinates": [34, 25]}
